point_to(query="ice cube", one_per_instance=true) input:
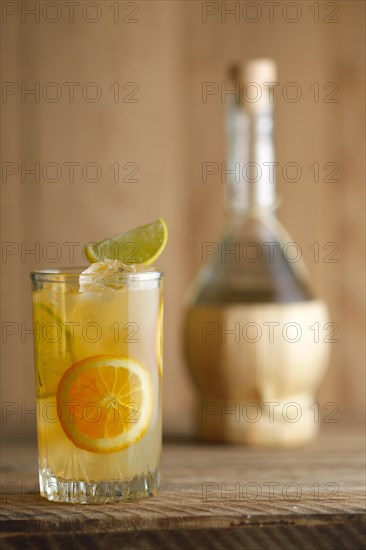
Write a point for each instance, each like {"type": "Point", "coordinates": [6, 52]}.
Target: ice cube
{"type": "Point", "coordinates": [106, 275]}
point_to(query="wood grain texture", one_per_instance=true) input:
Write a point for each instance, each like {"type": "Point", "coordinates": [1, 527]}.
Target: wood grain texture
{"type": "Point", "coordinates": [211, 497]}
{"type": "Point", "coordinates": [169, 133]}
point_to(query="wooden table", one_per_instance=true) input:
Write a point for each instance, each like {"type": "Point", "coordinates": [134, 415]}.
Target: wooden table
{"type": "Point", "coordinates": [211, 497]}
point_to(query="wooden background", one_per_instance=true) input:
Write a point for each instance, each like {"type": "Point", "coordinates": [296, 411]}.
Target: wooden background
{"type": "Point", "coordinates": [168, 50]}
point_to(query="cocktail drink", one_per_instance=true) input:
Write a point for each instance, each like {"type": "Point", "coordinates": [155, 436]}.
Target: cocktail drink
{"type": "Point", "coordinates": [98, 363]}
{"type": "Point", "coordinates": [98, 379]}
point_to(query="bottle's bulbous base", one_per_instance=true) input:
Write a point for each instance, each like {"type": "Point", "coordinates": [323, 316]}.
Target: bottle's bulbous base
{"type": "Point", "coordinates": [262, 362]}
{"type": "Point", "coordinates": [254, 333]}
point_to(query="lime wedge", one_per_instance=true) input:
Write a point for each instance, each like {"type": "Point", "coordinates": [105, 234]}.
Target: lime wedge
{"type": "Point", "coordinates": [141, 245]}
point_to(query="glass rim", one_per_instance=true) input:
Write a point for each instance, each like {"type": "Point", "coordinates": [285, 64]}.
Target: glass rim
{"type": "Point", "coordinates": [70, 274]}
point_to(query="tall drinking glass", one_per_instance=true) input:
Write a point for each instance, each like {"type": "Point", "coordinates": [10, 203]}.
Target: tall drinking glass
{"type": "Point", "coordinates": [98, 364]}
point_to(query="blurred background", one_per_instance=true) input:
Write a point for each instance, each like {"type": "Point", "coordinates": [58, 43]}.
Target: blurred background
{"type": "Point", "coordinates": [105, 127]}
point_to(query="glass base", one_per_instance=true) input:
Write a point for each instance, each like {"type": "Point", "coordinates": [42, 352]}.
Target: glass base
{"type": "Point", "coordinates": [100, 492]}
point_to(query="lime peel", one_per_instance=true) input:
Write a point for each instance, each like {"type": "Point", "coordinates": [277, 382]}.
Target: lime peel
{"type": "Point", "coordinates": [141, 245]}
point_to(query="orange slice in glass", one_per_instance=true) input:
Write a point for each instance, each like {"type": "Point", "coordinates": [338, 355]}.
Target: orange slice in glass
{"type": "Point", "coordinates": [105, 403]}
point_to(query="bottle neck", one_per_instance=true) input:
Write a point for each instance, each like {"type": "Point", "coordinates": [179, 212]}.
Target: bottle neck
{"type": "Point", "coordinates": [250, 173]}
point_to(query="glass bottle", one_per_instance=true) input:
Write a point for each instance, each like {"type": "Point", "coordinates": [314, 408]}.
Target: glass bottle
{"type": "Point", "coordinates": [252, 322]}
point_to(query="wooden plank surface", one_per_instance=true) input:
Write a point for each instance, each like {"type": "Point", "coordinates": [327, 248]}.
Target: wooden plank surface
{"type": "Point", "coordinates": [211, 497]}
